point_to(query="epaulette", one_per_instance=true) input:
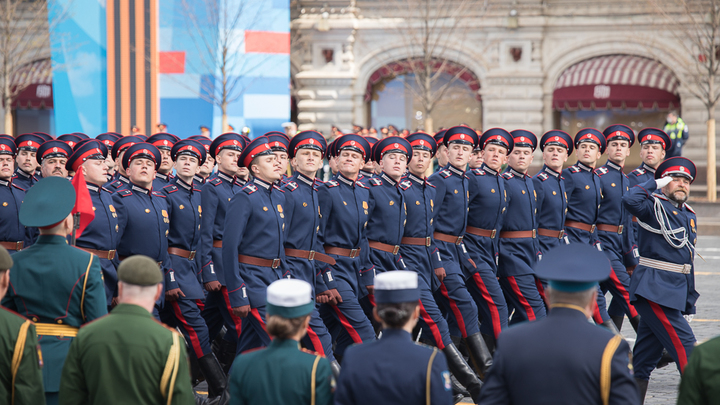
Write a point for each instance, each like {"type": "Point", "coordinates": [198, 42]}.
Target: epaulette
{"type": "Point", "coordinates": [275, 186]}
{"type": "Point", "coordinates": [108, 190]}
{"type": "Point", "coordinates": [429, 184]}
{"type": "Point", "coordinates": [250, 188]}
{"type": "Point", "coordinates": [254, 350]}
{"type": "Point", "coordinates": [542, 176]}
{"type": "Point", "coordinates": [601, 171]}
{"type": "Point", "coordinates": [216, 181]}
{"type": "Point", "coordinates": [689, 208]}
{"type": "Point", "coordinates": [158, 194]}
{"type": "Point", "coordinates": [116, 184]}
{"type": "Point", "coordinates": [309, 351]}
{"type": "Point", "coordinates": [405, 184]}
{"type": "Point", "coordinates": [362, 185]}
{"type": "Point", "coordinates": [196, 189]}
{"type": "Point", "coordinates": [638, 172]}
{"type": "Point", "coordinates": [170, 188]}
{"type": "Point", "coordinates": [375, 182]}
{"type": "Point", "coordinates": [332, 183]}
{"type": "Point", "coordinates": [574, 169]}
{"type": "Point", "coordinates": [507, 175]}
{"type": "Point", "coordinates": [478, 172]}
{"type": "Point", "coordinates": [18, 187]}
{"type": "Point", "coordinates": [445, 173]}
{"type": "Point", "coordinates": [318, 181]}
{"type": "Point", "coordinates": [124, 193]}
{"type": "Point", "coordinates": [291, 185]}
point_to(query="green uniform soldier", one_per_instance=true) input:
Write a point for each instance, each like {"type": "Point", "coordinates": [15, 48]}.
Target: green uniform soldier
{"type": "Point", "coordinates": [128, 357]}
{"type": "Point", "coordinates": [282, 373]}
{"type": "Point", "coordinates": [20, 358]}
{"type": "Point", "coordinates": [57, 286]}
{"type": "Point", "coordinates": [700, 383]}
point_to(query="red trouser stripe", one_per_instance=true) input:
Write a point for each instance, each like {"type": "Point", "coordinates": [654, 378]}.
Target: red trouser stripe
{"type": "Point", "coordinates": [433, 327]}
{"type": "Point", "coordinates": [494, 313]}
{"type": "Point", "coordinates": [255, 313]}
{"type": "Point", "coordinates": [523, 301]}
{"type": "Point", "coordinates": [455, 310]}
{"type": "Point", "coordinates": [679, 348]}
{"type": "Point", "coordinates": [317, 344]}
{"type": "Point", "coordinates": [237, 321]}
{"type": "Point", "coordinates": [597, 317]}
{"type": "Point", "coordinates": [200, 304]}
{"type": "Point", "coordinates": [624, 292]}
{"type": "Point", "coordinates": [346, 324]}
{"type": "Point", "coordinates": [541, 290]}
{"type": "Point", "coordinates": [371, 298]}
{"type": "Point", "coordinates": [194, 341]}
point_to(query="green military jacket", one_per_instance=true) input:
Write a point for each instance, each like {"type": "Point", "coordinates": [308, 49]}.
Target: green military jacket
{"type": "Point", "coordinates": [120, 359]}
{"type": "Point", "coordinates": [281, 374]}
{"type": "Point", "coordinates": [700, 383]}
{"type": "Point", "coordinates": [28, 377]}
{"type": "Point", "coordinates": [47, 282]}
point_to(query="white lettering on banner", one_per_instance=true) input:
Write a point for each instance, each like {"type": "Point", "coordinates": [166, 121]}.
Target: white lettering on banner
{"type": "Point", "coordinates": [43, 91]}
{"type": "Point", "coordinates": [601, 91]}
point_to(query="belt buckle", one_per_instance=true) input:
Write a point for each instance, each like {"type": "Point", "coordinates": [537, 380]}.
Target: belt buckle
{"type": "Point", "coordinates": [459, 240]}
{"type": "Point", "coordinates": [620, 229]}
{"type": "Point", "coordinates": [534, 232]}
{"type": "Point", "coordinates": [311, 255]}
{"type": "Point", "coordinates": [354, 253]}
{"type": "Point", "coordinates": [275, 263]}
{"type": "Point", "coordinates": [492, 234]}
{"type": "Point", "coordinates": [396, 249]}
{"type": "Point", "coordinates": [192, 255]}
{"type": "Point", "coordinates": [19, 245]}
{"type": "Point", "coordinates": [686, 268]}
{"type": "Point", "coordinates": [561, 234]}
{"type": "Point", "coordinates": [428, 241]}
{"type": "Point", "coordinates": [592, 228]}
{"type": "Point", "coordinates": [111, 254]}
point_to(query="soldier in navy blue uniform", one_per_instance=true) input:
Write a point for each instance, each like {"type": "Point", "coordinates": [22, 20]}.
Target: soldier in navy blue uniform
{"type": "Point", "coordinates": [422, 256]}
{"type": "Point", "coordinates": [303, 253]}
{"type": "Point", "coordinates": [441, 157]}
{"type": "Point", "coordinates": [344, 209]}
{"type": "Point", "coordinates": [662, 287]}
{"type": "Point", "coordinates": [253, 242]}
{"type": "Point", "coordinates": [109, 139]}
{"type": "Point", "coordinates": [518, 239]}
{"type": "Point", "coordinates": [394, 370]}
{"type": "Point", "coordinates": [164, 142]}
{"type": "Point", "coordinates": [488, 205]}
{"type": "Point", "coordinates": [584, 194]}
{"type": "Point", "coordinates": [613, 222]}
{"type": "Point", "coordinates": [27, 146]}
{"type": "Point", "coordinates": [100, 235]}
{"type": "Point", "coordinates": [279, 143]}
{"type": "Point", "coordinates": [206, 169]}
{"type": "Point", "coordinates": [71, 139]}
{"type": "Point", "coordinates": [143, 219]}
{"type": "Point", "coordinates": [52, 157]}
{"type": "Point", "coordinates": [13, 235]}
{"type": "Point", "coordinates": [563, 359]}
{"type": "Point", "coordinates": [216, 194]}
{"type": "Point", "coordinates": [120, 180]}
{"type": "Point", "coordinates": [368, 171]}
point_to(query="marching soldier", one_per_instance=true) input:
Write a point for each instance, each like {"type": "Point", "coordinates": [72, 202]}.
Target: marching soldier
{"type": "Point", "coordinates": [662, 287]}
{"type": "Point", "coordinates": [164, 142]}
{"type": "Point", "coordinates": [368, 171]}
{"type": "Point", "coordinates": [27, 146]}
{"type": "Point", "coordinates": [279, 143]}
{"type": "Point", "coordinates": [100, 237]}
{"type": "Point", "coordinates": [117, 153]}
{"type": "Point", "coordinates": [441, 157]}
{"type": "Point", "coordinates": [108, 139]}
{"type": "Point", "coordinates": [253, 243]}
{"type": "Point", "coordinates": [52, 157]}
{"type": "Point", "coordinates": [13, 234]}
{"type": "Point", "coordinates": [206, 169]}
{"type": "Point", "coordinates": [20, 358]}
{"type": "Point", "coordinates": [127, 357]}
{"type": "Point", "coordinates": [613, 221]}
{"type": "Point", "coordinates": [57, 286]}
{"type": "Point", "coordinates": [590, 364]}
{"type": "Point", "coordinates": [71, 139]}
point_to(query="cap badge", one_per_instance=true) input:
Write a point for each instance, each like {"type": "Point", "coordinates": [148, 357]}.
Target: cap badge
{"type": "Point", "coordinates": [557, 138]}
{"type": "Point", "coordinates": [55, 149]}
{"type": "Point", "coordinates": [395, 145]}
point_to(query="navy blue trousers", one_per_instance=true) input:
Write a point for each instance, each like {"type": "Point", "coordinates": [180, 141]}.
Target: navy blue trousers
{"type": "Point", "coordinates": [346, 322]}
{"type": "Point", "coordinates": [488, 295]}
{"type": "Point", "coordinates": [318, 338]}
{"type": "Point", "coordinates": [521, 292]}
{"type": "Point", "coordinates": [618, 284]}
{"type": "Point", "coordinates": [457, 304]}
{"type": "Point", "coordinates": [218, 312]}
{"type": "Point", "coordinates": [185, 315]}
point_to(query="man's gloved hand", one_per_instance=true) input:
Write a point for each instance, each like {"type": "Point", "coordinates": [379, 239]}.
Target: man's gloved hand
{"type": "Point", "coordinates": [663, 181]}
{"type": "Point", "coordinates": [688, 318]}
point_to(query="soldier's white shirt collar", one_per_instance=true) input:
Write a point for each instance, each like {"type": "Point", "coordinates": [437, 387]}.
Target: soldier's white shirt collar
{"type": "Point", "coordinates": [584, 167]}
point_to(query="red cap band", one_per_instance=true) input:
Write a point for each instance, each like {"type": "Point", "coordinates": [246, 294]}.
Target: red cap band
{"type": "Point", "coordinates": [163, 143]}
{"type": "Point", "coordinates": [54, 149]}
{"type": "Point", "coordinates": [655, 138]}
{"type": "Point", "coordinates": [308, 142]}
{"type": "Point", "coordinates": [259, 149]}
{"type": "Point", "coordinates": [393, 146]}
{"type": "Point", "coordinates": [354, 145]}
{"type": "Point", "coordinates": [108, 143]}
{"type": "Point", "coordinates": [557, 139]}
{"type": "Point", "coordinates": [142, 152]}
{"type": "Point", "coordinates": [189, 148]}
{"type": "Point", "coordinates": [496, 138]}
{"type": "Point", "coordinates": [420, 143]}
{"type": "Point", "coordinates": [125, 146]}
{"type": "Point", "coordinates": [229, 143]}
{"type": "Point", "coordinates": [589, 137]}
{"type": "Point", "coordinates": [676, 169]}
{"type": "Point", "coordinates": [27, 144]}
{"type": "Point", "coordinates": [461, 137]}
{"type": "Point", "coordinates": [82, 158]}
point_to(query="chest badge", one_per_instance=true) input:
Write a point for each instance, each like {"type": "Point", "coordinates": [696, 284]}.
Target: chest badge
{"type": "Point", "coordinates": [365, 205]}
{"type": "Point", "coordinates": [111, 208]}
{"type": "Point", "coordinates": [279, 208]}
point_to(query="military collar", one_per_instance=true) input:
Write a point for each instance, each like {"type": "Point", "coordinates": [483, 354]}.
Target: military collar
{"type": "Point", "coordinates": [124, 179]}
{"type": "Point", "coordinates": [140, 189]}
{"type": "Point", "coordinates": [487, 169]}
{"type": "Point", "coordinates": [516, 173]}
{"type": "Point", "coordinates": [93, 187]}
{"type": "Point", "coordinates": [182, 184]}
{"type": "Point", "coordinates": [5, 183]}
{"type": "Point", "coordinates": [415, 178]}
{"type": "Point", "coordinates": [199, 179]}
{"type": "Point", "coordinates": [21, 172]}
{"type": "Point", "coordinates": [646, 167]}
{"type": "Point", "coordinates": [455, 170]}
{"type": "Point", "coordinates": [164, 177]}
{"type": "Point", "coordinates": [550, 171]}
{"type": "Point", "coordinates": [240, 182]}
{"type": "Point", "coordinates": [388, 179]}
{"type": "Point", "coordinates": [366, 174]}
{"type": "Point", "coordinates": [613, 165]}
{"type": "Point", "coordinates": [305, 179]}
{"type": "Point", "coordinates": [584, 167]}
{"type": "Point", "coordinates": [262, 183]}
{"type": "Point", "coordinates": [345, 180]}
{"type": "Point", "coordinates": [225, 177]}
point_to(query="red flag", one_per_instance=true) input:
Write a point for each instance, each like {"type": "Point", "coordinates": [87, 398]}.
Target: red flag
{"type": "Point", "coordinates": [83, 202]}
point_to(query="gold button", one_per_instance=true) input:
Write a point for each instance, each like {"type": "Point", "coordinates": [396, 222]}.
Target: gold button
{"type": "Point", "coordinates": [587, 187]}
{"type": "Point", "coordinates": [344, 203]}
{"type": "Point", "coordinates": [456, 191]}
{"type": "Point", "coordinates": [265, 208]}
{"type": "Point", "coordinates": [503, 210]}
{"type": "Point", "coordinates": [318, 229]}
{"type": "Point", "coordinates": [523, 191]}
{"type": "Point", "coordinates": [116, 228]}
{"type": "Point", "coordinates": [492, 191]}
{"type": "Point", "coordinates": [417, 202]}
{"type": "Point", "coordinates": [228, 199]}
{"type": "Point", "coordinates": [392, 202]}
{"type": "Point", "coordinates": [304, 204]}
{"type": "Point", "coordinates": [4, 204]}
{"type": "Point", "coordinates": [94, 208]}
{"type": "Point", "coordinates": [166, 232]}
{"type": "Point", "coordinates": [612, 184]}
{"type": "Point", "coordinates": [431, 221]}
{"type": "Point", "coordinates": [147, 210]}
{"type": "Point", "coordinates": [34, 319]}
{"type": "Point", "coordinates": [554, 193]}
{"type": "Point", "coordinates": [674, 212]}
{"type": "Point", "coordinates": [59, 320]}
{"type": "Point", "coordinates": [182, 207]}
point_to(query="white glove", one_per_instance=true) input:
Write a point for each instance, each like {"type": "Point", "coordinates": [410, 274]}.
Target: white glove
{"type": "Point", "coordinates": [688, 317]}
{"type": "Point", "coordinates": [663, 181]}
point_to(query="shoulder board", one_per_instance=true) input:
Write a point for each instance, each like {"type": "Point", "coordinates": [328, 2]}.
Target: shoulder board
{"type": "Point", "coordinates": [600, 171]}
{"type": "Point", "coordinates": [625, 175]}
{"type": "Point", "coordinates": [361, 184]}
{"type": "Point", "coordinates": [216, 181]}
{"type": "Point", "coordinates": [478, 172]}
{"type": "Point", "coordinates": [309, 351]}
{"type": "Point", "coordinates": [275, 186]}
{"type": "Point", "coordinates": [196, 189]}
{"type": "Point", "coordinates": [158, 194]}
{"type": "Point", "coordinates": [13, 312]}
{"type": "Point", "coordinates": [542, 176]}
{"type": "Point", "coordinates": [116, 184]}
{"type": "Point", "coordinates": [291, 185]}
{"type": "Point", "coordinates": [108, 190]}
{"type": "Point", "coordinates": [18, 187]}
{"type": "Point", "coordinates": [318, 182]}
{"type": "Point", "coordinates": [254, 350]}
{"type": "Point", "coordinates": [332, 183]}
{"type": "Point", "coordinates": [445, 173]}
{"type": "Point", "coordinates": [507, 175]}
{"type": "Point", "coordinates": [249, 188]}
{"type": "Point", "coordinates": [689, 208]}
{"type": "Point", "coordinates": [375, 182]}
{"type": "Point", "coordinates": [429, 184]}
{"type": "Point", "coordinates": [638, 172]}
{"type": "Point", "coordinates": [405, 184]}
{"type": "Point", "coordinates": [170, 188]}
{"type": "Point", "coordinates": [35, 178]}
{"type": "Point", "coordinates": [574, 169]}
{"type": "Point", "coordinates": [124, 193]}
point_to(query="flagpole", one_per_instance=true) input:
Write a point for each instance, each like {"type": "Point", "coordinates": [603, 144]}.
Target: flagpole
{"type": "Point", "coordinates": [76, 226]}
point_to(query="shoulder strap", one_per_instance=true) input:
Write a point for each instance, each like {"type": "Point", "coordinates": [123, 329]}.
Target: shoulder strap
{"type": "Point", "coordinates": [167, 382]}
{"type": "Point", "coordinates": [313, 380]}
{"type": "Point", "coordinates": [82, 297]}
{"type": "Point", "coordinates": [606, 368]}
{"type": "Point", "coordinates": [428, 377]}
{"type": "Point", "coordinates": [18, 353]}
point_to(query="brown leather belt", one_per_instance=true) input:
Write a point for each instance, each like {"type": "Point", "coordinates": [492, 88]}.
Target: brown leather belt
{"type": "Point", "coordinates": [551, 233]}
{"type": "Point", "coordinates": [416, 241]}
{"type": "Point", "coordinates": [518, 234]}
{"type": "Point", "coordinates": [351, 253]}
{"type": "Point", "coordinates": [309, 255]}
{"type": "Point", "coordinates": [12, 245]}
{"type": "Point", "coordinates": [187, 254]}
{"type": "Point", "coordinates": [580, 225]}
{"type": "Point", "coordinates": [481, 232]}
{"type": "Point", "coordinates": [634, 219]}
{"type": "Point", "coordinates": [103, 254]}
{"type": "Point", "coordinates": [611, 228]}
{"type": "Point", "coordinates": [443, 237]}
{"type": "Point", "coordinates": [256, 261]}
{"type": "Point", "coordinates": [125, 257]}
{"type": "Point", "coordinates": [394, 249]}
{"type": "Point", "coordinates": [217, 243]}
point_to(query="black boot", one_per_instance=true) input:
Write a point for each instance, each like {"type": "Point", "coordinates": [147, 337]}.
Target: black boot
{"type": "Point", "coordinates": [489, 342]}
{"type": "Point", "coordinates": [665, 359]}
{"type": "Point", "coordinates": [195, 374]}
{"type": "Point", "coordinates": [462, 371]}
{"type": "Point", "coordinates": [635, 322]}
{"type": "Point", "coordinates": [458, 391]}
{"type": "Point", "coordinates": [642, 389]}
{"type": "Point", "coordinates": [610, 325]}
{"type": "Point", "coordinates": [461, 346]}
{"type": "Point", "coordinates": [479, 354]}
{"type": "Point", "coordinates": [618, 321]}
{"type": "Point", "coordinates": [335, 367]}
{"type": "Point", "coordinates": [214, 375]}
{"type": "Point", "coordinates": [225, 353]}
